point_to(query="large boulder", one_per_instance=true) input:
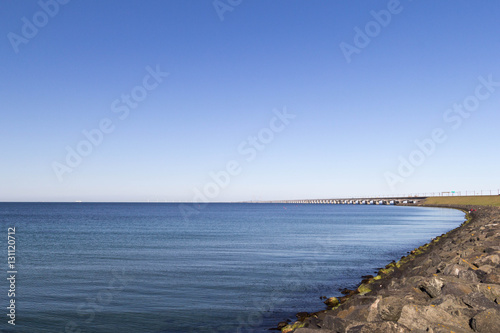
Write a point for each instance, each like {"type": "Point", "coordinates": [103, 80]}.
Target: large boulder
{"type": "Point", "coordinates": [469, 276]}
{"type": "Point", "coordinates": [491, 291]}
{"type": "Point", "coordinates": [432, 286]}
{"type": "Point", "coordinates": [390, 308]}
{"type": "Point", "coordinates": [486, 268]}
{"type": "Point", "coordinates": [361, 309]}
{"type": "Point", "coordinates": [454, 270]}
{"type": "Point", "coordinates": [479, 301]}
{"type": "Point", "coordinates": [454, 306]}
{"type": "Point", "coordinates": [417, 317]}
{"type": "Point", "coordinates": [493, 276]}
{"type": "Point", "coordinates": [448, 302]}
{"type": "Point", "coordinates": [493, 260]}
{"type": "Point", "coordinates": [456, 289]}
{"type": "Point", "coordinates": [487, 321]}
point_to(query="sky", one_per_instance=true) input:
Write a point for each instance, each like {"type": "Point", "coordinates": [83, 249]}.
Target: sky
{"type": "Point", "coordinates": [236, 100]}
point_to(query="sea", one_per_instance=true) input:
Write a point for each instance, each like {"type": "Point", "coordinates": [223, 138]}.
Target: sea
{"type": "Point", "coordinates": [221, 267]}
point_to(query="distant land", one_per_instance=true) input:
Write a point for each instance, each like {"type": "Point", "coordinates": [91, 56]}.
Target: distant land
{"type": "Point", "coordinates": [486, 200]}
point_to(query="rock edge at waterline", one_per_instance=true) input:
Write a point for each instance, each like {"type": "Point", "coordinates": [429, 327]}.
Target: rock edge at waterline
{"type": "Point", "coordinates": [451, 284]}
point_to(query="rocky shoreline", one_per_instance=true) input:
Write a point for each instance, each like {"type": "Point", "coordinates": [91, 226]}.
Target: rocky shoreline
{"type": "Point", "coordinates": [451, 284]}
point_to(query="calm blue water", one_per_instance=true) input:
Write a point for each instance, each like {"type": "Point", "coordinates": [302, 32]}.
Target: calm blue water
{"type": "Point", "coordinates": [144, 268]}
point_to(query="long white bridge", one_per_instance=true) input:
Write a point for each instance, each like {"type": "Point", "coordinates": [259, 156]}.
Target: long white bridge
{"type": "Point", "coordinates": [356, 201]}
{"type": "Point", "coordinates": [396, 199]}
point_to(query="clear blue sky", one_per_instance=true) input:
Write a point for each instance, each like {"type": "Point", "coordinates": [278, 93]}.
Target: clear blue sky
{"type": "Point", "coordinates": [353, 120]}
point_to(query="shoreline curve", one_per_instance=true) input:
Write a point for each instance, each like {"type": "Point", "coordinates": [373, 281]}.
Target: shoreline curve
{"type": "Point", "coordinates": [451, 284]}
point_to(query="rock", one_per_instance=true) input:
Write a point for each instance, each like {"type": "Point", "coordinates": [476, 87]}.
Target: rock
{"type": "Point", "coordinates": [435, 258]}
{"type": "Point", "coordinates": [481, 275]}
{"type": "Point", "coordinates": [466, 253]}
{"type": "Point", "coordinates": [491, 291]}
{"type": "Point", "coordinates": [390, 308]}
{"type": "Point", "coordinates": [493, 276]}
{"type": "Point", "coordinates": [441, 266]}
{"type": "Point", "coordinates": [486, 268]}
{"type": "Point", "coordinates": [416, 297]}
{"type": "Point", "coordinates": [281, 325]}
{"type": "Point", "coordinates": [362, 300]}
{"type": "Point", "coordinates": [379, 327]}
{"type": "Point", "coordinates": [490, 250]}
{"type": "Point", "coordinates": [432, 287]}
{"type": "Point", "coordinates": [454, 306]}
{"type": "Point", "coordinates": [490, 234]}
{"type": "Point", "coordinates": [338, 325]}
{"type": "Point", "coordinates": [361, 309]}
{"type": "Point", "coordinates": [487, 321]}
{"type": "Point", "coordinates": [493, 260]}
{"type": "Point", "coordinates": [410, 318]}
{"type": "Point", "coordinates": [314, 321]}
{"type": "Point", "coordinates": [456, 289]}
{"type": "Point", "coordinates": [292, 327]}
{"type": "Point", "coordinates": [469, 276]}
{"type": "Point", "coordinates": [366, 278]}
{"type": "Point", "coordinates": [311, 330]}
{"type": "Point", "coordinates": [448, 302]}
{"type": "Point", "coordinates": [343, 299]}
{"type": "Point", "coordinates": [451, 284]}
{"type": "Point", "coordinates": [302, 315]}
{"type": "Point", "coordinates": [346, 291]}
{"type": "Point", "coordinates": [332, 302]}
{"type": "Point", "coordinates": [453, 269]}
{"type": "Point", "coordinates": [363, 289]}
{"type": "Point", "coordinates": [478, 301]}
{"type": "Point", "coordinates": [428, 317]}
